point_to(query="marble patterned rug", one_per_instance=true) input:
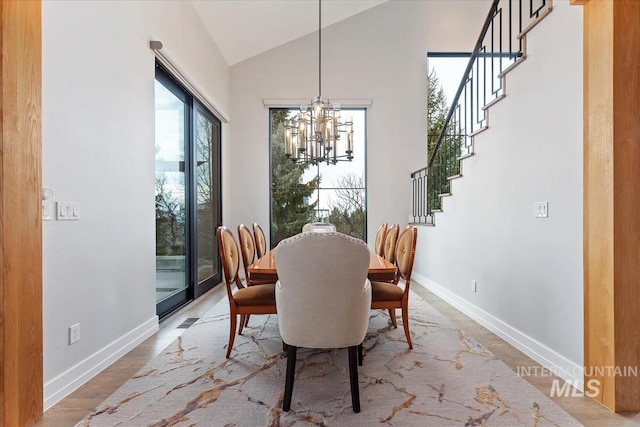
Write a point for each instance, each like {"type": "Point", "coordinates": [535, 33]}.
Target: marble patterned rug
{"type": "Point", "coordinates": [448, 379]}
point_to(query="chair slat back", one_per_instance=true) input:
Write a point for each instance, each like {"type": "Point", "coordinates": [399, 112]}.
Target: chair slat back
{"type": "Point", "coordinates": [390, 241]}
{"type": "Point", "coordinates": [260, 240]}
{"type": "Point", "coordinates": [247, 248]}
{"type": "Point", "coordinates": [230, 257]}
{"type": "Point", "coordinates": [380, 235]}
{"type": "Point", "coordinates": [405, 252]}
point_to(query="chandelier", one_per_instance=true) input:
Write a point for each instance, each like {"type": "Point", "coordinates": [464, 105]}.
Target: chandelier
{"type": "Point", "coordinates": [317, 133]}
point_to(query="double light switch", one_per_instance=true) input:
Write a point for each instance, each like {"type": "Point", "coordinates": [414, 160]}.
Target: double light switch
{"type": "Point", "coordinates": [68, 211]}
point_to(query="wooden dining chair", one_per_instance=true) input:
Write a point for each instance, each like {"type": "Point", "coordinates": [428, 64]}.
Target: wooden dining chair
{"type": "Point", "coordinates": [390, 296]}
{"type": "Point", "coordinates": [323, 299]}
{"type": "Point", "coordinates": [390, 240]}
{"type": "Point", "coordinates": [260, 240]}
{"type": "Point", "coordinates": [380, 235]}
{"type": "Point", "coordinates": [318, 227]}
{"type": "Point", "coordinates": [247, 249]}
{"type": "Point", "coordinates": [245, 300]}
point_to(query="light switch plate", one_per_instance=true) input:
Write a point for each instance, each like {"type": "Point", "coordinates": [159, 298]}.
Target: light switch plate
{"type": "Point", "coordinates": [68, 211]}
{"type": "Point", "coordinates": [542, 209]}
{"type": "Point", "coordinates": [47, 210]}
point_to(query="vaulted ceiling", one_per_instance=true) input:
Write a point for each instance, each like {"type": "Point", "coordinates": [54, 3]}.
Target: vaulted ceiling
{"type": "Point", "coordinates": [244, 28]}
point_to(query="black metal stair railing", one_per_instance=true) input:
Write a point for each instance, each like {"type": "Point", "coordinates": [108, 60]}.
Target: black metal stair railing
{"type": "Point", "coordinates": [499, 48]}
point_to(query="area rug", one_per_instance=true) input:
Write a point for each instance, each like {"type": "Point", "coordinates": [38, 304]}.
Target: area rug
{"type": "Point", "coordinates": [448, 379]}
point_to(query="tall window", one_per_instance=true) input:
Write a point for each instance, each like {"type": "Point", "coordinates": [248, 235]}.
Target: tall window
{"type": "Point", "coordinates": [302, 193]}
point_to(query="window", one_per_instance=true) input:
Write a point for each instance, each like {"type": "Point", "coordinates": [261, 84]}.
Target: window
{"type": "Point", "coordinates": [445, 75]}
{"type": "Point", "coordinates": [187, 195]}
{"type": "Point", "coordinates": [302, 193]}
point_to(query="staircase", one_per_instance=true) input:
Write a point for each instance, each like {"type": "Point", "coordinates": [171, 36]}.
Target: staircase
{"type": "Point", "coordinates": [500, 48]}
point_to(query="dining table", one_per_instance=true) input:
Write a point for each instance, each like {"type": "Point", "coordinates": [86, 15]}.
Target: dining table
{"type": "Point", "coordinates": [264, 268]}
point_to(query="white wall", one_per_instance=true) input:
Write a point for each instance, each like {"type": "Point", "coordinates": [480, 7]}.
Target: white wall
{"type": "Point", "coordinates": [529, 270]}
{"type": "Point", "coordinates": [380, 55]}
{"type": "Point", "coordinates": [98, 149]}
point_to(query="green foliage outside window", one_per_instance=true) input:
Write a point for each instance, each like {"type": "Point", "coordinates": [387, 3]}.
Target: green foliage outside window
{"type": "Point", "coordinates": [290, 209]}
{"type": "Point", "coordinates": [348, 211]}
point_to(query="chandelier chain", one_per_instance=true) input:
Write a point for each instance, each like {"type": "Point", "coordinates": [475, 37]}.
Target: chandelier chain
{"type": "Point", "coordinates": [320, 48]}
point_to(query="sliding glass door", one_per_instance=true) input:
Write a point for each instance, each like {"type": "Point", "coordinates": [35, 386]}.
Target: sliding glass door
{"type": "Point", "coordinates": [187, 195]}
{"type": "Point", "coordinates": [207, 209]}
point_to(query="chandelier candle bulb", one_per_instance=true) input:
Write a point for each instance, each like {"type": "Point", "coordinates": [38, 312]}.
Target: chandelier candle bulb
{"type": "Point", "coordinates": [302, 137]}
{"type": "Point", "coordinates": [288, 142]}
{"type": "Point", "coordinates": [318, 109]}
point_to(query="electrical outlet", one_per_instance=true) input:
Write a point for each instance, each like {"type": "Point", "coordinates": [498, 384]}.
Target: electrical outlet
{"type": "Point", "coordinates": [474, 286]}
{"type": "Point", "coordinates": [74, 333]}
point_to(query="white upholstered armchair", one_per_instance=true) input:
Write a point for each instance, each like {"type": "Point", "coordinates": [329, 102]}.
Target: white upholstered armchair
{"type": "Point", "coordinates": [323, 298]}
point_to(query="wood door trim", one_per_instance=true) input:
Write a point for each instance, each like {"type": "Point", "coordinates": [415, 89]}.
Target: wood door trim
{"type": "Point", "coordinates": [21, 347]}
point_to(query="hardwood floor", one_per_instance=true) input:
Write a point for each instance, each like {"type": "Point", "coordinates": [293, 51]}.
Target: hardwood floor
{"type": "Point", "coordinates": [79, 403]}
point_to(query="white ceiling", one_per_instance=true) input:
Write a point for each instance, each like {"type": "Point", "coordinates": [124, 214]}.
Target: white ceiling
{"type": "Point", "coordinates": [244, 28]}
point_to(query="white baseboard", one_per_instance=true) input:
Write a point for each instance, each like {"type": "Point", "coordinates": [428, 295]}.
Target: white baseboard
{"type": "Point", "coordinates": [70, 380]}
{"type": "Point", "coordinates": [549, 359]}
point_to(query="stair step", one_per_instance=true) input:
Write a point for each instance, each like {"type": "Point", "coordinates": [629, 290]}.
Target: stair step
{"type": "Point", "coordinates": [529, 27]}
{"type": "Point", "coordinates": [482, 129]}
{"type": "Point", "coordinates": [454, 176]}
{"type": "Point", "coordinates": [498, 99]}
{"type": "Point", "coordinates": [512, 66]}
{"type": "Point", "coordinates": [464, 156]}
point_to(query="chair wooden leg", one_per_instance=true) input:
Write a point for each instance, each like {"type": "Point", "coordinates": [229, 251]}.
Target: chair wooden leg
{"type": "Point", "coordinates": [392, 314]}
{"type": "Point", "coordinates": [353, 378]}
{"type": "Point", "coordinates": [232, 332]}
{"type": "Point", "coordinates": [291, 371]}
{"type": "Point", "coordinates": [405, 323]}
{"type": "Point", "coordinates": [242, 323]}
{"type": "Point", "coordinates": [360, 357]}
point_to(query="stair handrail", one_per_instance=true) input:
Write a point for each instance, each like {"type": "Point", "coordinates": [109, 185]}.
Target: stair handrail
{"type": "Point", "coordinates": [456, 98]}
